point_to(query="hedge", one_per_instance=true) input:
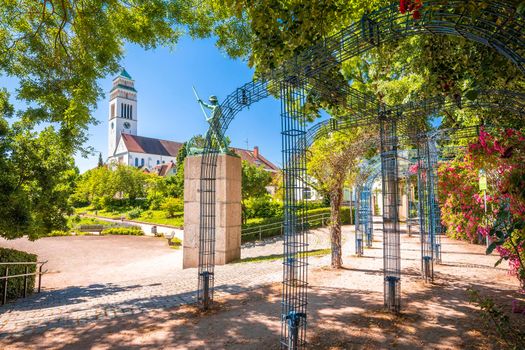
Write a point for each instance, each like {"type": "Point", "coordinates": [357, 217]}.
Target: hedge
{"type": "Point", "coordinates": [124, 231]}
{"type": "Point", "coordinates": [15, 286]}
{"type": "Point", "coordinates": [276, 231]}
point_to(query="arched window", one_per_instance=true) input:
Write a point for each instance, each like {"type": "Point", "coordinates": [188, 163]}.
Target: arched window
{"type": "Point", "coordinates": [158, 162]}
{"type": "Point", "coordinates": [142, 162]}
{"type": "Point", "coordinates": [122, 110]}
{"type": "Point", "coordinates": [130, 111]}
{"type": "Point", "coordinates": [136, 162]}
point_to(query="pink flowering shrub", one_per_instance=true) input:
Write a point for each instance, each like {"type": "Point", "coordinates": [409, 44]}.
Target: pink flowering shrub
{"type": "Point", "coordinates": [462, 204]}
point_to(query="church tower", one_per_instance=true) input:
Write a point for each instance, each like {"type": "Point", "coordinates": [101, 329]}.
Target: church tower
{"type": "Point", "coordinates": [122, 110]}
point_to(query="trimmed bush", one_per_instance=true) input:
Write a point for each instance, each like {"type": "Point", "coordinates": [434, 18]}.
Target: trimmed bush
{"type": "Point", "coordinates": [15, 286]}
{"type": "Point", "coordinates": [175, 243]}
{"type": "Point", "coordinates": [172, 205]}
{"type": "Point", "coordinates": [123, 231]}
{"type": "Point", "coordinates": [56, 233]}
{"type": "Point", "coordinates": [134, 213]}
{"type": "Point", "coordinates": [263, 207]}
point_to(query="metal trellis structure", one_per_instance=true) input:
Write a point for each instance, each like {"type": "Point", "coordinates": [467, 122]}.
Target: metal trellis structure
{"type": "Point", "coordinates": [496, 25]}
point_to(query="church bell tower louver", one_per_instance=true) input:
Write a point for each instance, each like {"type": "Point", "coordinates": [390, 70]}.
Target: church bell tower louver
{"type": "Point", "coordinates": [122, 110]}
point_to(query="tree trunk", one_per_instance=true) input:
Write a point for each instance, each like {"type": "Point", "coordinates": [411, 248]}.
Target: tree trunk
{"type": "Point", "coordinates": [335, 227]}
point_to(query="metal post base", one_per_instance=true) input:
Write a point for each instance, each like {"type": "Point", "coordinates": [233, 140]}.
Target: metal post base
{"type": "Point", "coordinates": [427, 269]}
{"type": "Point", "coordinates": [369, 239]}
{"type": "Point", "coordinates": [206, 289]}
{"type": "Point", "coordinates": [391, 290]}
{"type": "Point", "coordinates": [295, 321]}
{"type": "Point", "coordinates": [359, 247]}
{"type": "Point", "coordinates": [437, 253]}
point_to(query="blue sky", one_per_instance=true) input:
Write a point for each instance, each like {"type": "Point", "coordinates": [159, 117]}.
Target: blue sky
{"type": "Point", "coordinates": [166, 104]}
{"type": "Point", "coordinates": [167, 108]}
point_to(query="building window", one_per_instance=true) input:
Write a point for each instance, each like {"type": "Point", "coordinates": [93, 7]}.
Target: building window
{"type": "Point", "coordinates": [130, 111]}
{"type": "Point", "coordinates": [112, 110]}
{"type": "Point", "coordinates": [158, 162]}
{"type": "Point", "coordinates": [142, 162]}
{"type": "Point", "coordinates": [136, 162]}
{"type": "Point", "coordinates": [122, 110]}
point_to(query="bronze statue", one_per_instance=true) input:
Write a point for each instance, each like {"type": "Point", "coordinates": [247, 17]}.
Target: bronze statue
{"type": "Point", "coordinates": [213, 120]}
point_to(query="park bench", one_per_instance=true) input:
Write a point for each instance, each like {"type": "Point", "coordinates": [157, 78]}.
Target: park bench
{"type": "Point", "coordinates": [91, 228]}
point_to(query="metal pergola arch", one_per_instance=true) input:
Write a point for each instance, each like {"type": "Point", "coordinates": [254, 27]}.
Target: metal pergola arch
{"type": "Point", "coordinates": [496, 25]}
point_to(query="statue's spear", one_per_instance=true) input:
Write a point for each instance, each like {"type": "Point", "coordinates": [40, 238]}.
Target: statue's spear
{"type": "Point", "coordinates": [198, 100]}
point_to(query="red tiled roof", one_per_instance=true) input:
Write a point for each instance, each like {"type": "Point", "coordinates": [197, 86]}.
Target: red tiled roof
{"type": "Point", "coordinates": [141, 144]}
{"type": "Point", "coordinates": [163, 169]}
{"type": "Point", "coordinates": [249, 156]}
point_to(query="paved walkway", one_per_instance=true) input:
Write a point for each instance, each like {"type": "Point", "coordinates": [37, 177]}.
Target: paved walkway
{"type": "Point", "coordinates": [76, 305]}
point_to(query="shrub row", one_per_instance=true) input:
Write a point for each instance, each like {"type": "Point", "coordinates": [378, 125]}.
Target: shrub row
{"type": "Point", "coordinates": [125, 231]}
{"type": "Point", "coordinates": [266, 207]}
{"type": "Point", "coordinates": [15, 286]}
{"type": "Point", "coordinates": [276, 229]}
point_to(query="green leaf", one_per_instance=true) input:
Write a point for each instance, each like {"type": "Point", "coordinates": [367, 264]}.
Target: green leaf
{"type": "Point", "coordinates": [491, 247]}
{"type": "Point", "coordinates": [472, 94]}
{"type": "Point", "coordinates": [498, 262]}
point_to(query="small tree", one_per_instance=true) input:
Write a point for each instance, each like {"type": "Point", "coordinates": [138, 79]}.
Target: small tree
{"type": "Point", "coordinates": [100, 161]}
{"type": "Point", "coordinates": [331, 162]}
{"type": "Point", "coordinates": [254, 182]}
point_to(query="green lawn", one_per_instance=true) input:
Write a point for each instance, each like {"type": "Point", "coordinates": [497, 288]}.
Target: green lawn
{"type": "Point", "coordinates": [149, 216]}
{"type": "Point", "coordinates": [159, 217]}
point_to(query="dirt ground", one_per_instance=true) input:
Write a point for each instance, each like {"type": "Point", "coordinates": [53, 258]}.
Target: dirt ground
{"type": "Point", "coordinates": [86, 260]}
{"type": "Point", "coordinates": [345, 311]}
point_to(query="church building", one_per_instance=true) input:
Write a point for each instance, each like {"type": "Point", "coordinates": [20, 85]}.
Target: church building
{"type": "Point", "coordinates": [124, 145]}
{"type": "Point", "coordinates": [151, 154]}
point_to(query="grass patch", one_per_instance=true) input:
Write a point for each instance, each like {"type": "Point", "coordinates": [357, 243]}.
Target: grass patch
{"type": "Point", "coordinates": [158, 217]}
{"type": "Point", "coordinates": [316, 252]}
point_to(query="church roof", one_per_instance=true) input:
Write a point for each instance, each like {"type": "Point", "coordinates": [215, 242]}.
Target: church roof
{"type": "Point", "coordinates": [141, 144]}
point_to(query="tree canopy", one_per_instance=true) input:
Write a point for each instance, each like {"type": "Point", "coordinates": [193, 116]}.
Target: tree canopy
{"type": "Point", "coordinates": [268, 33]}
{"type": "Point", "coordinates": [56, 51]}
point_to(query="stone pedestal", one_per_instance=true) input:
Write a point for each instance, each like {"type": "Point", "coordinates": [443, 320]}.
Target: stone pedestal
{"type": "Point", "coordinates": [227, 210]}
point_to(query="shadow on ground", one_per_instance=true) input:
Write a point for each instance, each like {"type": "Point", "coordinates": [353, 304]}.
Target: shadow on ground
{"type": "Point", "coordinates": [438, 316]}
